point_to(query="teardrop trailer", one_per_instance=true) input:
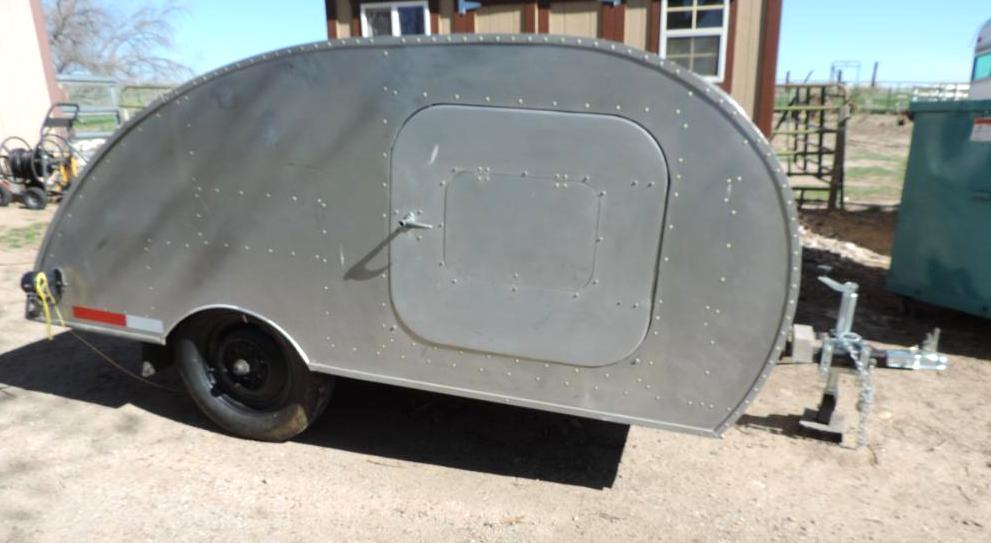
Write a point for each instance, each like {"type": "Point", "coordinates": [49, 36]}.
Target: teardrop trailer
{"type": "Point", "coordinates": [602, 234]}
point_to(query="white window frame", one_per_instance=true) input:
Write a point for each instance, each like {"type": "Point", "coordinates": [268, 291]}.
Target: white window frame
{"type": "Point", "coordinates": [722, 32]}
{"type": "Point", "coordinates": [366, 29]}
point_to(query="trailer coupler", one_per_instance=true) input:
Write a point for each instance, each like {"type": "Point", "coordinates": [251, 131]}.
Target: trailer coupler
{"type": "Point", "coordinates": [856, 356]}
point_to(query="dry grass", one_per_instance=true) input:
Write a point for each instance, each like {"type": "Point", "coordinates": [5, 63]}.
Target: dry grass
{"type": "Point", "coordinates": [876, 159]}
{"type": "Point", "coordinates": [22, 236]}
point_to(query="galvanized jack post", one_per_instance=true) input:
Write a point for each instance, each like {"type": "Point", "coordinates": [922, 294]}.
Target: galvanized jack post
{"type": "Point", "coordinates": [824, 423]}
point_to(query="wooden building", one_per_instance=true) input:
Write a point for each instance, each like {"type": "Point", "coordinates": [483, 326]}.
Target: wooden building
{"type": "Point", "coordinates": [733, 43]}
{"type": "Point", "coordinates": [29, 87]}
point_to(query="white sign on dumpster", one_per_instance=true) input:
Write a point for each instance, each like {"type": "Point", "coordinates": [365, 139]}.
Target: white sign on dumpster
{"type": "Point", "coordinates": [982, 129]}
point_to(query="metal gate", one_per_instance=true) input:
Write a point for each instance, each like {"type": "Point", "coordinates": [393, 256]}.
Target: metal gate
{"type": "Point", "coordinates": [809, 137]}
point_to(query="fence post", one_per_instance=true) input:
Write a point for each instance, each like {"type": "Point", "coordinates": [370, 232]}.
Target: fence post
{"type": "Point", "coordinates": [837, 180]}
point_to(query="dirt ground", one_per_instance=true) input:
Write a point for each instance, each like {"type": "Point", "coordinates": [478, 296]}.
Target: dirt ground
{"type": "Point", "coordinates": [87, 453]}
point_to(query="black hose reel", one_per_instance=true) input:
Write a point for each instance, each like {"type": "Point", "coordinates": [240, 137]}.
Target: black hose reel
{"type": "Point", "coordinates": [31, 165]}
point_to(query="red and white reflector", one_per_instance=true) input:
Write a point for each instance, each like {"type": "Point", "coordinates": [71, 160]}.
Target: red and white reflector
{"type": "Point", "coordinates": [134, 322]}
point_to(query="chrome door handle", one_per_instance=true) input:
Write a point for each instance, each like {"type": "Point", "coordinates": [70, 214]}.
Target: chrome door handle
{"type": "Point", "coordinates": [409, 221]}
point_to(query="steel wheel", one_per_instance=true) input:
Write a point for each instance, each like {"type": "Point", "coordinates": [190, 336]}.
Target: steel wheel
{"type": "Point", "coordinates": [246, 377]}
{"type": "Point", "coordinates": [250, 369]}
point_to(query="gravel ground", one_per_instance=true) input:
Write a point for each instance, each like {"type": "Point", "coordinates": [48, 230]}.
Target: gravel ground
{"type": "Point", "coordinates": [87, 453]}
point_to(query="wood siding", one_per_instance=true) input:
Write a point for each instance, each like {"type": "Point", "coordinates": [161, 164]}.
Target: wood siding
{"type": "Point", "coordinates": [575, 18]}
{"type": "Point", "coordinates": [444, 21]}
{"type": "Point", "coordinates": [768, 64]}
{"type": "Point", "coordinates": [637, 25]}
{"type": "Point", "coordinates": [343, 20]}
{"type": "Point", "coordinates": [746, 54]}
{"type": "Point", "coordinates": [750, 60]}
{"type": "Point", "coordinates": [500, 18]}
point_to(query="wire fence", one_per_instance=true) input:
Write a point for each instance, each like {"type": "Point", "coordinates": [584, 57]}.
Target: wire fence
{"type": "Point", "coordinates": [893, 97]}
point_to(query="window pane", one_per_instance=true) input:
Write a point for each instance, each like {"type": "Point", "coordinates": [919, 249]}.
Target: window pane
{"type": "Point", "coordinates": [982, 67]}
{"type": "Point", "coordinates": [710, 18]}
{"type": "Point", "coordinates": [707, 45]}
{"type": "Point", "coordinates": [679, 19]}
{"type": "Point", "coordinates": [705, 65]}
{"type": "Point", "coordinates": [699, 54]}
{"type": "Point", "coordinates": [684, 62]}
{"type": "Point", "coordinates": [411, 20]}
{"type": "Point", "coordinates": [680, 3]}
{"type": "Point", "coordinates": [379, 21]}
{"type": "Point", "coordinates": [712, 2]}
{"type": "Point", "coordinates": [679, 47]}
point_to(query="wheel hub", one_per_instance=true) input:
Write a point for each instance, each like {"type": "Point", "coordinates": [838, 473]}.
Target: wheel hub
{"type": "Point", "coordinates": [241, 367]}
{"type": "Point", "coordinates": [250, 369]}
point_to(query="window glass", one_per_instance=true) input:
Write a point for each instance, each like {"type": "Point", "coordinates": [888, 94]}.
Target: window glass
{"type": "Point", "coordinates": [679, 19]}
{"type": "Point", "coordinates": [394, 18]}
{"type": "Point", "coordinates": [678, 47]}
{"type": "Point", "coordinates": [705, 65]}
{"type": "Point", "coordinates": [982, 66]}
{"type": "Point", "coordinates": [411, 20]}
{"type": "Point", "coordinates": [707, 45]}
{"type": "Point", "coordinates": [380, 21]}
{"type": "Point", "coordinates": [684, 62]}
{"type": "Point", "coordinates": [693, 34]}
{"type": "Point", "coordinates": [699, 54]}
{"type": "Point", "coordinates": [710, 18]}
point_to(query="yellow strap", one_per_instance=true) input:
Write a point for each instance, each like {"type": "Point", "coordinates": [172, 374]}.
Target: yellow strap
{"type": "Point", "coordinates": [46, 297]}
{"type": "Point", "coordinates": [63, 171]}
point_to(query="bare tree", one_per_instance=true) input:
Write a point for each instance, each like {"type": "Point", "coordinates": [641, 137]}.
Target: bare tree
{"type": "Point", "coordinates": [94, 37]}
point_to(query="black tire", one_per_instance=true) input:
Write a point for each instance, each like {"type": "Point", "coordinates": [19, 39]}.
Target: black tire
{"type": "Point", "coordinates": [34, 198]}
{"type": "Point", "coordinates": [5, 196]}
{"type": "Point", "coordinates": [247, 378]}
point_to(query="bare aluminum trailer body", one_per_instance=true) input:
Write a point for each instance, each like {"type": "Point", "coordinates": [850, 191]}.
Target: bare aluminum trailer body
{"type": "Point", "coordinates": [560, 223]}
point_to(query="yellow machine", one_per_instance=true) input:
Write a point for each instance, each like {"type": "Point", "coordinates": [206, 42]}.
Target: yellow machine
{"type": "Point", "coordinates": [39, 173]}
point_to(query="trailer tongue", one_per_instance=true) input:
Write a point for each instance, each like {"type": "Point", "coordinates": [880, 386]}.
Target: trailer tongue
{"type": "Point", "coordinates": [560, 223]}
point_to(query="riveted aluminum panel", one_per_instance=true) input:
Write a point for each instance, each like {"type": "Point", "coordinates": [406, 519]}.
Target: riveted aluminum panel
{"type": "Point", "coordinates": [265, 186]}
{"type": "Point", "coordinates": [548, 229]}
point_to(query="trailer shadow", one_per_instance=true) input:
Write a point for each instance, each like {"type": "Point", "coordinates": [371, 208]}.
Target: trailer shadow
{"type": "Point", "coordinates": [461, 433]}
{"type": "Point", "coordinates": [367, 418]}
{"type": "Point", "coordinates": [66, 367]}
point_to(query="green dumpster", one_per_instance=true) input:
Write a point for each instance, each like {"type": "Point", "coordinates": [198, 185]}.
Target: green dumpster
{"type": "Point", "coordinates": [942, 247]}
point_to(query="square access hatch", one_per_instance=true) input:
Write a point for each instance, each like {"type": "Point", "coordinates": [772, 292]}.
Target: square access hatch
{"type": "Point", "coordinates": [545, 231]}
